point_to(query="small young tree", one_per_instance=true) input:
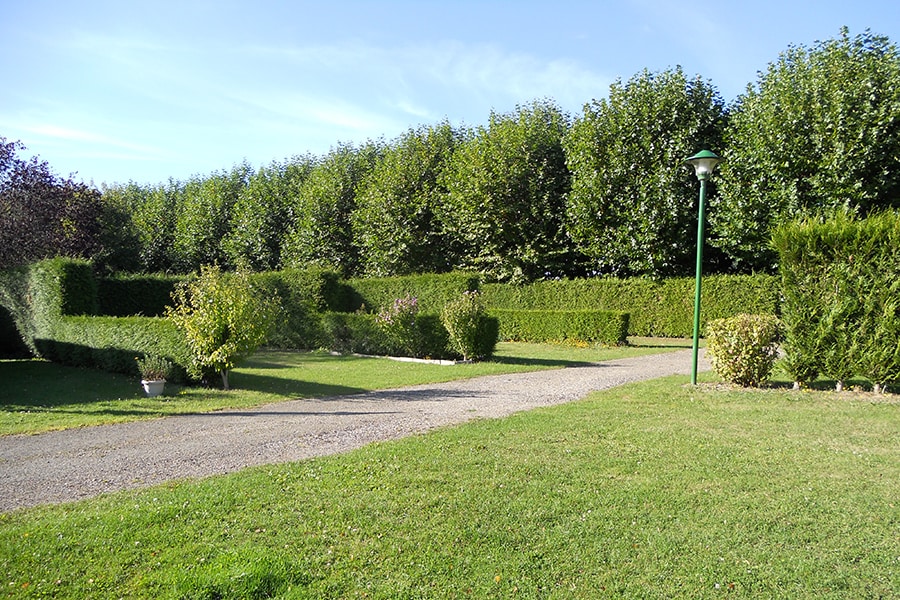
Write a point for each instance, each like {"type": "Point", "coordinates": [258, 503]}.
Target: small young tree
{"type": "Point", "coordinates": [224, 319]}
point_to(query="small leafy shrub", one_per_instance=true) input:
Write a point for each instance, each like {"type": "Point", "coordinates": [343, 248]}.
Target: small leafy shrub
{"type": "Point", "coordinates": [154, 368]}
{"type": "Point", "coordinates": [743, 349]}
{"type": "Point", "coordinates": [464, 319]}
{"type": "Point", "coordinates": [398, 322]}
{"type": "Point", "coordinates": [224, 319]}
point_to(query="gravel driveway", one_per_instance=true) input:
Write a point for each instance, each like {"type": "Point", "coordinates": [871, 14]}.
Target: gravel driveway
{"type": "Point", "coordinates": [79, 463]}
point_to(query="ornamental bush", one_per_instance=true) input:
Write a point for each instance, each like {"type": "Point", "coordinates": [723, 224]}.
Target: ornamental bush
{"type": "Point", "coordinates": [743, 349]}
{"type": "Point", "coordinates": [466, 323]}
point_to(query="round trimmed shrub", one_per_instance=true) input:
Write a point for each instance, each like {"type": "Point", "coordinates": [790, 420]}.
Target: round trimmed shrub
{"type": "Point", "coordinates": [743, 349]}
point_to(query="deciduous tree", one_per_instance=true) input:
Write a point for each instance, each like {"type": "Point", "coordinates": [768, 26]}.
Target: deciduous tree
{"type": "Point", "coordinates": [819, 130]}
{"type": "Point", "coordinates": [633, 204]}
{"type": "Point", "coordinates": [224, 319]}
{"type": "Point", "coordinates": [395, 222]}
{"type": "Point", "coordinates": [506, 190]}
{"type": "Point", "coordinates": [41, 214]}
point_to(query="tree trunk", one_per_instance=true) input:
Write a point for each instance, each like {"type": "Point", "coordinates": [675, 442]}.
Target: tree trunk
{"type": "Point", "coordinates": [225, 379]}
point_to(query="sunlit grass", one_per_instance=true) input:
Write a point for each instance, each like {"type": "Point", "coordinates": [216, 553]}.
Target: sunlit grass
{"type": "Point", "coordinates": [651, 490]}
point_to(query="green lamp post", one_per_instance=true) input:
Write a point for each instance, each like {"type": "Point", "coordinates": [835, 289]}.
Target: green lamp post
{"type": "Point", "coordinates": [704, 163]}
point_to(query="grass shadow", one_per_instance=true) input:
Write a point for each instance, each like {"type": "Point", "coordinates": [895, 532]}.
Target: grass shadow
{"type": "Point", "coordinates": [41, 384]}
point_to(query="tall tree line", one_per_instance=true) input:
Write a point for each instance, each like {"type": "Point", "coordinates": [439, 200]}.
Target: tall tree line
{"type": "Point", "coordinates": [537, 193]}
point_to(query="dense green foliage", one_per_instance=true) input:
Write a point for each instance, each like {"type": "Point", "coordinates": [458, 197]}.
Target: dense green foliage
{"type": "Point", "coordinates": [432, 291]}
{"type": "Point", "coordinates": [361, 333]}
{"type": "Point", "coordinates": [662, 308]}
{"type": "Point", "coordinates": [321, 232]}
{"type": "Point", "coordinates": [633, 206]}
{"type": "Point", "coordinates": [54, 303]}
{"type": "Point", "coordinates": [743, 349]}
{"type": "Point", "coordinates": [532, 195]}
{"type": "Point", "coordinates": [821, 129]}
{"type": "Point", "coordinates": [263, 209]}
{"type": "Point", "coordinates": [396, 224]}
{"type": "Point", "coordinates": [125, 295]}
{"type": "Point", "coordinates": [224, 319]}
{"type": "Point", "coordinates": [841, 283]}
{"type": "Point", "coordinates": [506, 190]}
{"type": "Point", "coordinates": [568, 326]}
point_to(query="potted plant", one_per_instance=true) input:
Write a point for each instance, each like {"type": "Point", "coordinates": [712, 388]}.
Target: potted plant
{"type": "Point", "coordinates": [154, 372]}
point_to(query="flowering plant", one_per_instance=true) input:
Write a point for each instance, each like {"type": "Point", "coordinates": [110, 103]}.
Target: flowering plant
{"type": "Point", "coordinates": [398, 322]}
{"type": "Point", "coordinates": [154, 368]}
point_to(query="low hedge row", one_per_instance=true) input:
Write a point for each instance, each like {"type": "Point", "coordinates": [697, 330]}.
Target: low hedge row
{"type": "Point", "coordinates": [358, 332]}
{"type": "Point", "coordinates": [662, 308]}
{"type": "Point", "coordinates": [591, 326]}
{"type": "Point", "coordinates": [54, 305]}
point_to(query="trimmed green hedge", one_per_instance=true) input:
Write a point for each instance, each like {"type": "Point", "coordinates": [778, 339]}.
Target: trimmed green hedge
{"type": "Point", "coordinates": [134, 295]}
{"type": "Point", "coordinates": [662, 308]}
{"type": "Point", "coordinates": [358, 332]}
{"type": "Point", "coordinates": [37, 295]}
{"type": "Point", "coordinates": [432, 291]}
{"type": "Point", "coordinates": [591, 326]}
{"type": "Point", "coordinates": [113, 343]}
{"type": "Point", "coordinates": [54, 303]}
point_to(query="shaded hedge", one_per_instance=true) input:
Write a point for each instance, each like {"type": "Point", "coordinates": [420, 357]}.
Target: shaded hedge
{"type": "Point", "coordinates": [663, 308]}
{"type": "Point", "coordinates": [359, 332]}
{"type": "Point", "coordinates": [133, 295]}
{"type": "Point", "coordinates": [113, 343]}
{"type": "Point", "coordinates": [11, 343]}
{"type": "Point", "coordinates": [591, 326]}
{"type": "Point", "coordinates": [54, 305]}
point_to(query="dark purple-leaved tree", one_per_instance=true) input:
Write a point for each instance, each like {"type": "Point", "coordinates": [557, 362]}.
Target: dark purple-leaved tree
{"type": "Point", "coordinates": [41, 214]}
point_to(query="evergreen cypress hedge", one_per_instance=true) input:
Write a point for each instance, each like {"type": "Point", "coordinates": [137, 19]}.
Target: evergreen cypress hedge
{"type": "Point", "coordinates": [841, 282]}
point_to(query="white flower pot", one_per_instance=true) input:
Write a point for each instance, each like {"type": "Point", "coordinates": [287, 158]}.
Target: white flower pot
{"type": "Point", "coordinates": [153, 387]}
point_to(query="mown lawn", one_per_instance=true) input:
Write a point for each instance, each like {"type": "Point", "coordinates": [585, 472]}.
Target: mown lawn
{"type": "Point", "coordinates": [650, 490]}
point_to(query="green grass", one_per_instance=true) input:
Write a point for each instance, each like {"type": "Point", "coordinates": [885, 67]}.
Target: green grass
{"type": "Point", "coordinates": [651, 490]}
{"type": "Point", "coordinates": [39, 396]}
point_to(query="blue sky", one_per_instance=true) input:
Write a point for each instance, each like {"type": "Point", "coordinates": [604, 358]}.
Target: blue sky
{"type": "Point", "coordinates": [146, 90]}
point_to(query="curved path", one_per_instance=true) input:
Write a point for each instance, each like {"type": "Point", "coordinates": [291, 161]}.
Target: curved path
{"type": "Point", "coordinates": [79, 463]}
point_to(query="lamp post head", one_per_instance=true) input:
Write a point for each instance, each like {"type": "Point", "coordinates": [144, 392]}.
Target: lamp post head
{"type": "Point", "coordinates": [704, 163]}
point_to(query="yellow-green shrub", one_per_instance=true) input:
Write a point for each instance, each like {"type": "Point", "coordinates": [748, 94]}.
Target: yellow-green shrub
{"type": "Point", "coordinates": [743, 349]}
